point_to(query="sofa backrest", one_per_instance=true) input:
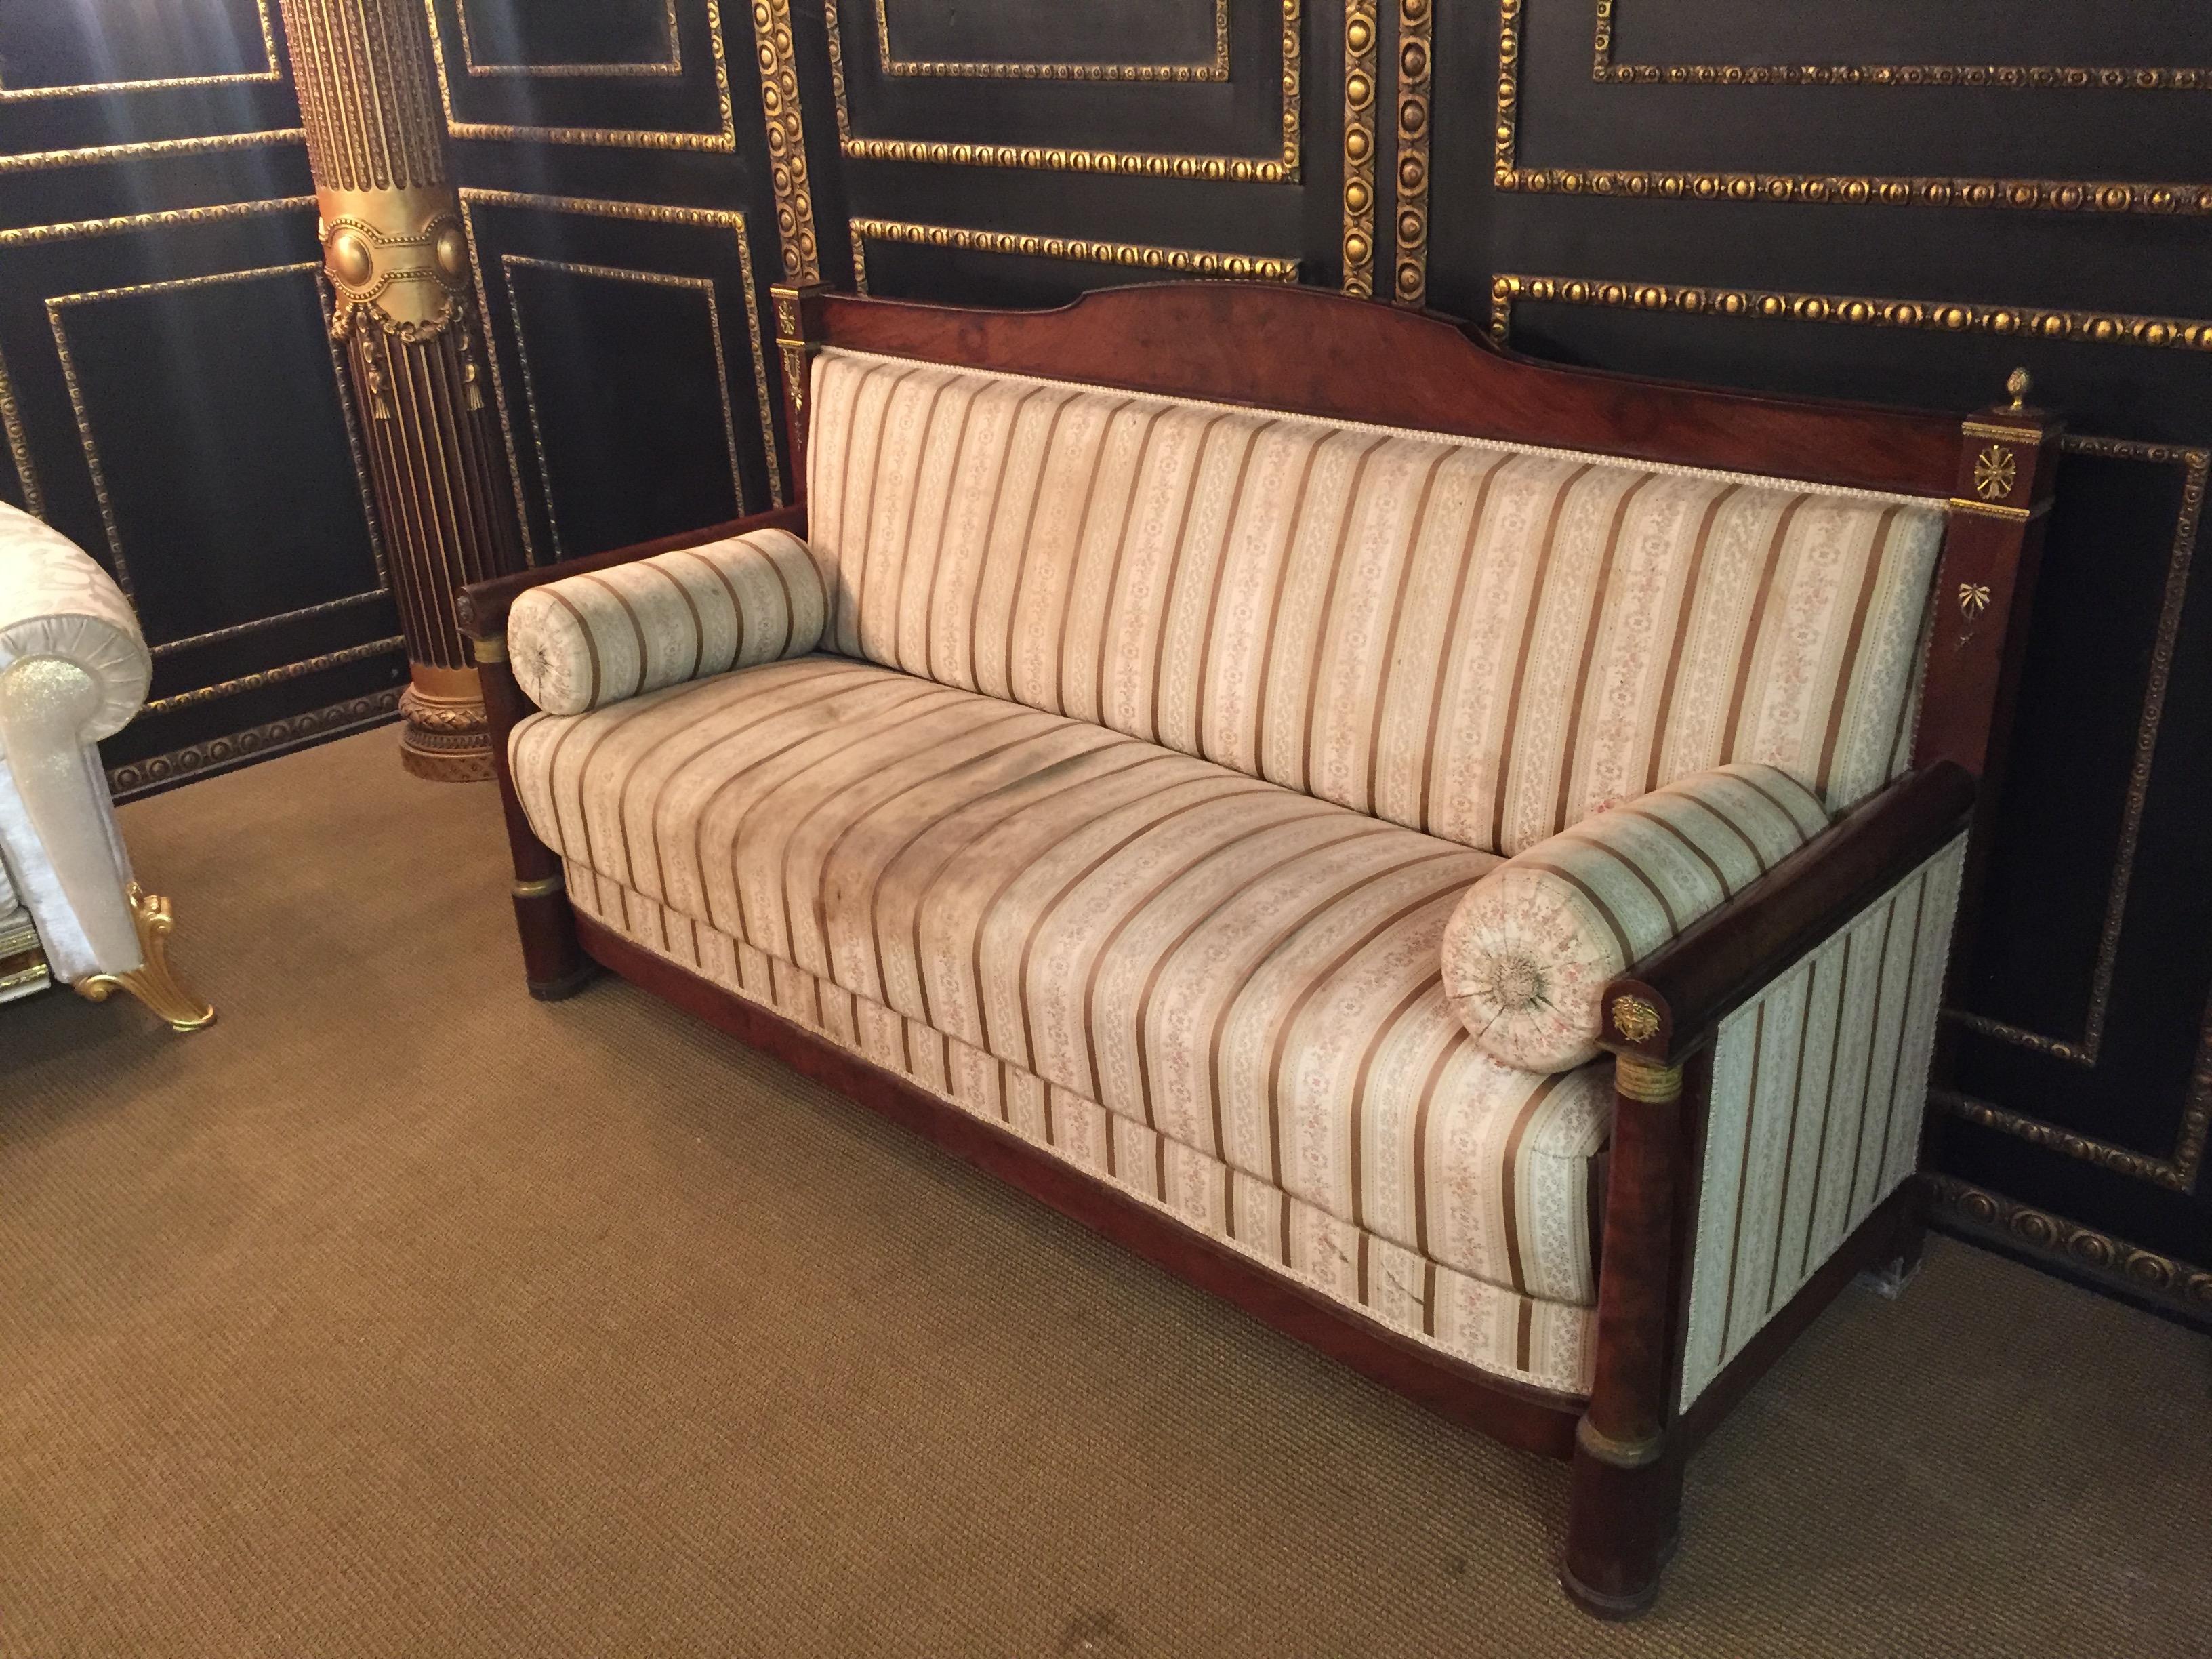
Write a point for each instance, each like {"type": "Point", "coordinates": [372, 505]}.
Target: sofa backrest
{"type": "Point", "coordinates": [1482, 640]}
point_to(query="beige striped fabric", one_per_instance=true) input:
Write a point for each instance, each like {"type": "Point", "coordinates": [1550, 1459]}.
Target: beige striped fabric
{"type": "Point", "coordinates": [1476, 641]}
{"type": "Point", "coordinates": [1527, 952]}
{"type": "Point", "coordinates": [1545, 1343]}
{"type": "Point", "coordinates": [1819, 1088]}
{"type": "Point", "coordinates": [595, 638]}
{"type": "Point", "coordinates": [1250, 973]}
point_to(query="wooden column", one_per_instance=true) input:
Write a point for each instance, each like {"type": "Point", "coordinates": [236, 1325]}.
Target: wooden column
{"type": "Point", "coordinates": [398, 259]}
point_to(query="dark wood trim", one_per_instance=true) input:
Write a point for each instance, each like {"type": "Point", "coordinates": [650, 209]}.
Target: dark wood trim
{"type": "Point", "coordinates": [1977, 644]}
{"type": "Point", "coordinates": [1718, 963]}
{"type": "Point", "coordinates": [482, 606]}
{"type": "Point", "coordinates": [1533, 1419]}
{"type": "Point", "coordinates": [1624, 1498]}
{"type": "Point", "coordinates": [1628, 1406]}
{"type": "Point", "coordinates": [1334, 356]}
{"type": "Point", "coordinates": [552, 961]}
{"type": "Point", "coordinates": [794, 310]}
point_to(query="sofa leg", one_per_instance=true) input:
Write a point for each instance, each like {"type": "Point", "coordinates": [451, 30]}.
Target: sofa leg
{"type": "Point", "coordinates": [1888, 1277]}
{"type": "Point", "coordinates": [553, 961]}
{"type": "Point", "coordinates": [1623, 1520]}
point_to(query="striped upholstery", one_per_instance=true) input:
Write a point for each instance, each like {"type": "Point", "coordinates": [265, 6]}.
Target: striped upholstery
{"type": "Point", "coordinates": [1818, 1090]}
{"type": "Point", "coordinates": [1250, 972]}
{"type": "Point", "coordinates": [1473, 640]}
{"type": "Point", "coordinates": [1528, 950]}
{"type": "Point", "coordinates": [598, 637]}
{"type": "Point", "coordinates": [1546, 1343]}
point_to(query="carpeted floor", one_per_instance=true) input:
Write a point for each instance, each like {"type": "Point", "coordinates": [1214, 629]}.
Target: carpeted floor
{"type": "Point", "coordinates": [399, 1315]}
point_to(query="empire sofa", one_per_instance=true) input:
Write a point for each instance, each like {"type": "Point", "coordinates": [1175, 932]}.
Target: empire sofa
{"type": "Point", "coordinates": [1457, 854]}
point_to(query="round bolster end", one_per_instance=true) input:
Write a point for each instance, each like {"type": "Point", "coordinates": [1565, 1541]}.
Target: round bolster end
{"type": "Point", "coordinates": [1524, 974]}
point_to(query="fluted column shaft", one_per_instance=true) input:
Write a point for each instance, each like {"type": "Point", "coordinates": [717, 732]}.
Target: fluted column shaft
{"type": "Point", "coordinates": [398, 259]}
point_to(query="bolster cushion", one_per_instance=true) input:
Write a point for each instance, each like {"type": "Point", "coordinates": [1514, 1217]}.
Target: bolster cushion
{"type": "Point", "coordinates": [602, 635]}
{"type": "Point", "coordinates": [1529, 952]}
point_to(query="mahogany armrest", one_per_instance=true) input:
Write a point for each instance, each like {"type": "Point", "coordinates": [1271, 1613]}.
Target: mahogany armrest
{"type": "Point", "coordinates": [482, 606]}
{"type": "Point", "coordinates": [1721, 962]}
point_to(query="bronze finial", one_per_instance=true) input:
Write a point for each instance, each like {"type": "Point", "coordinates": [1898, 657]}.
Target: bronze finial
{"type": "Point", "coordinates": [2018, 384]}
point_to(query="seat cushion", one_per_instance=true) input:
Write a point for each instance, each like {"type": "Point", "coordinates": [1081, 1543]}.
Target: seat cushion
{"type": "Point", "coordinates": [1252, 973]}
{"type": "Point", "coordinates": [1549, 1345]}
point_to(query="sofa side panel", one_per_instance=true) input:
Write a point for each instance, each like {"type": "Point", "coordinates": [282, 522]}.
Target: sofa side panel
{"type": "Point", "coordinates": [1818, 1084]}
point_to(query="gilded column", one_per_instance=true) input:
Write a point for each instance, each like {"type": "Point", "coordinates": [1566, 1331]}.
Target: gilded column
{"type": "Point", "coordinates": [398, 259]}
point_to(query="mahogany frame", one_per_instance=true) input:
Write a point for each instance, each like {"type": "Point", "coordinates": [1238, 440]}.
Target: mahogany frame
{"type": "Point", "coordinates": [1320, 353]}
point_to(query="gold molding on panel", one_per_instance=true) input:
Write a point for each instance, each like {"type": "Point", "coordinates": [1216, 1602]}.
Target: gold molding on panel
{"type": "Point", "coordinates": [1416, 72]}
{"type": "Point", "coordinates": [1605, 66]}
{"type": "Point", "coordinates": [134, 778]}
{"type": "Point", "coordinates": [1935, 316]}
{"type": "Point", "coordinates": [149, 150]}
{"type": "Point", "coordinates": [1215, 69]}
{"type": "Point", "coordinates": [672, 64]}
{"type": "Point", "coordinates": [1280, 168]}
{"type": "Point", "coordinates": [2179, 1169]}
{"type": "Point", "coordinates": [647, 212]}
{"type": "Point", "coordinates": [75, 230]}
{"type": "Point", "coordinates": [1182, 262]}
{"type": "Point", "coordinates": [2057, 195]}
{"type": "Point", "coordinates": [724, 140]}
{"type": "Point", "coordinates": [271, 76]}
{"type": "Point", "coordinates": [239, 630]}
{"type": "Point", "coordinates": [701, 285]}
{"type": "Point", "coordinates": [787, 140]}
{"type": "Point", "coordinates": [18, 446]}
{"type": "Point", "coordinates": [2145, 1272]}
{"type": "Point", "coordinates": [837, 75]}
{"type": "Point", "coordinates": [397, 645]}
{"type": "Point", "coordinates": [1360, 36]}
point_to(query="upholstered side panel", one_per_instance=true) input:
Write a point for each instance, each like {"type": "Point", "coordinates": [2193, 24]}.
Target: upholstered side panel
{"type": "Point", "coordinates": [1531, 1339]}
{"type": "Point", "coordinates": [1249, 972]}
{"type": "Point", "coordinates": [1818, 1090]}
{"type": "Point", "coordinates": [1480, 642]}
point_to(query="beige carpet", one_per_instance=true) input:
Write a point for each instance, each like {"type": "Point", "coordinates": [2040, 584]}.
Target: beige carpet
{"type": "Point", "coordinates": [397, 1313]}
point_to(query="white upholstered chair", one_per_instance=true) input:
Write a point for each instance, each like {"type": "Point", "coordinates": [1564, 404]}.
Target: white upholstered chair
{"type": "Point", "coordinates": [74, 669]}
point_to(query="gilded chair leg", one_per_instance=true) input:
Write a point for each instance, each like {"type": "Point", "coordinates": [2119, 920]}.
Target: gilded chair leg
{"type": "Point", "coordinates": [152, 982]}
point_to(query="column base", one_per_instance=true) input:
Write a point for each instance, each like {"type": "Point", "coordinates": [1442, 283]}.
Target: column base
{"type": "Point", "coordinates": [444, 736]}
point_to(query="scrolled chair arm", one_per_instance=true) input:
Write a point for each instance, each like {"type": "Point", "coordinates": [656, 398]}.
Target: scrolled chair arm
{"type": "Point", "coordinates": [57, 605]}
{"type": "Point", "coordinates": [1530, 951]}
{"type": "Point", "coordinates": [604, 635]}
{"type": "Point", "coordinates": [74, 669]}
